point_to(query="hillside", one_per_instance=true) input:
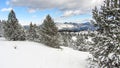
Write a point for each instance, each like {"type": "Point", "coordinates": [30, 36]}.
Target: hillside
{"type": "Point", "coordinates": [26, 54]}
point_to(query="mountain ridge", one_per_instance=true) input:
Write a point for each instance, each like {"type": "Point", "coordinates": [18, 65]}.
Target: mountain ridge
{"type": "Point", "coordinates": [75, 27]}
{"type": "Point", "coordinates": [72, 27]}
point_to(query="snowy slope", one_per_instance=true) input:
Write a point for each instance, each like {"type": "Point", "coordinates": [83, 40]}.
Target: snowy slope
{"type": "Point", "coordinates": [35, 55]}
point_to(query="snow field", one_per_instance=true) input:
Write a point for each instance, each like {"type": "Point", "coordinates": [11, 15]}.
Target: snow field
{"type": "Point", "coordinates": [35, 55]}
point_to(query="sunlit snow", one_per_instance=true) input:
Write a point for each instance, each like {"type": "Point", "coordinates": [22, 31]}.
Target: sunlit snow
{"type": "Point", "coordinates": [26, 54]}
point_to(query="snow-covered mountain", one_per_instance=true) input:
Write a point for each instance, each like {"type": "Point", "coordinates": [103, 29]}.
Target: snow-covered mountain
{"type": "Point", "coordinates": [75, 27]}
{"type": "Point", "coordinates": [64, 26]}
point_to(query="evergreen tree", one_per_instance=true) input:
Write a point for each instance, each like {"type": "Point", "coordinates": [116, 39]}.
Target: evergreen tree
{"type": "Point", "coordinates": [49, 33]}
{"type": "Point", "coordinates": [107, 42]}
{"type": "Point", "coordinates": [66, 39]}
{"type": "Point", "coordinates": [81, 43]}
{"type": "Point", "coordinates": [32, 32]}
{"type": "Point", "coordinates": [12, 29]}
{"type": "Point", "coordinates": [37, 35]}
{"type": "Point", "coordinates": [1, 27]}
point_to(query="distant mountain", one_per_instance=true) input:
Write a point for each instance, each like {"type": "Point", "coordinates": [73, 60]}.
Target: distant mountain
{"type": "Point", "coordinates": [65, 26]}
{"type": "Point", "coordinates": [75, 27]}
{"type": "Point", "coordinates": [72, 27]}
{"type": "Point", "coordinates": [87, 26]}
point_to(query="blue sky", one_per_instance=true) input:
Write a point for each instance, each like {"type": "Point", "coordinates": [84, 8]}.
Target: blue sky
{"type": "Point", "coordinates": [60, 10]}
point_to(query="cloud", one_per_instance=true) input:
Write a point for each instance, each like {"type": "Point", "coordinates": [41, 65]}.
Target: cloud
{"type": "Point", "coordinates": [6, 9]}
{"type": "Point", "coordinates": [72, 12]}
{"type": "Point", "coordinates": [32, 10]}
{"type": "Point", "coordinates": [69, 7]}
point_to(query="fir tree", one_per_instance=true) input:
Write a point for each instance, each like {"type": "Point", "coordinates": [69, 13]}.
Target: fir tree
{"type": "Point", "coordinates": [81, 43]}
{"type": "Point", "coordinates": [12, 29]}
{"type": "Point", "coordinates": [1, 27]}
{"type": "Point", "coordinates": [32, 32]}
{"type": "Point", "coordinates": [107, 47]}
{"type": "Point", "coordinates": [66, 39]}
{"type": "Point", "coordinates": [49, 33]}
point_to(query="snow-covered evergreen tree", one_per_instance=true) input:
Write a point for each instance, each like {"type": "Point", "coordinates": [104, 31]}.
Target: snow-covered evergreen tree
{"type": "Point", "coordinates": [12, 29]}
{"type": "Point", "coordinates": [107, 43]}
{"type": "Point", "coordinates": [49, 33]}
{"type": "Point", "coordinates": [32, 32]}
{"type": "Point", "coordinates": [81, 43]}
{"type": "Point", "coordinates": [66, 39]}
{"type": "Point", "coordinates": [1, 27]}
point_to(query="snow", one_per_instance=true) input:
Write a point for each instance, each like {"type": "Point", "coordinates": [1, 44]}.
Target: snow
{"type": "Point", "coordinates": [74, 38]}
{"type": "Point", "coordinates": [63, 26]}
{"type": "Point", "coordinates": [35, 55]}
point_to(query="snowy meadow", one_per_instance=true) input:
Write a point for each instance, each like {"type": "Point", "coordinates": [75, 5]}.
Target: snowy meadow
{"type": "Point", "coordinates": [34, 55]}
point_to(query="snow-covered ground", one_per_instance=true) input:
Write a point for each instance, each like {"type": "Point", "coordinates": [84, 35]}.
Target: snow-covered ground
{"type": "Point", "coordinates": [35, 55]}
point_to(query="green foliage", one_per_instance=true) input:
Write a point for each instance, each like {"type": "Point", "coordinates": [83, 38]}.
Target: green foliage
{"type": "Point", "coordinates": [107, 41]}
{"type": "Point", "coordinates": [67, 38]}
{"type": "Point", "coordinates": [12, 29]}
{"type": "Point", "coordinates": [81, 42]}
{"type": "Point", "coordinates": [49, 33]}
{"type": "Point", "coordinates": [32, 33]}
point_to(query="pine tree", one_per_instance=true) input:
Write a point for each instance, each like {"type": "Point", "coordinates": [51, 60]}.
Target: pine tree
{"type": "Point", "coordinates": [66, 39]}
{"type": "Point", "coordinates": [81, 43]}
{"type": "Point", "coordinates": [32, 32]}
{"type": "Point", "coordinates": [12, 29]}
{"type": "Point", "coordinates": [37, 35]}
{"type": "Point", "coordinates": [1, 27]}
{"type": "Point", "coordinates": [107, 47]}
{"type": "Point", "coordinates": [49, 33]}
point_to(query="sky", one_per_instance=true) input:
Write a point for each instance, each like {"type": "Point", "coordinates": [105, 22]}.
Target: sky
{"type": "Point", "coordinates": [61, 11]}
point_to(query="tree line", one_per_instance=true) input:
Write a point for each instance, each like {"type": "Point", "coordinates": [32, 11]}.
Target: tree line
{"type": "Point", "coordinates": [47, 33]}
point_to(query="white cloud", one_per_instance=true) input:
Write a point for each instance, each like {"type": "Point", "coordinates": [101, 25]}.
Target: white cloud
{"type": "Point", "coordinates": [6, 9]}
{"type": "Point", "coordinates": [69, 7]}
{"type": "Point", "coordinates": [32, 10]}
{"type": "Point", "coordinates": [72, 12]}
